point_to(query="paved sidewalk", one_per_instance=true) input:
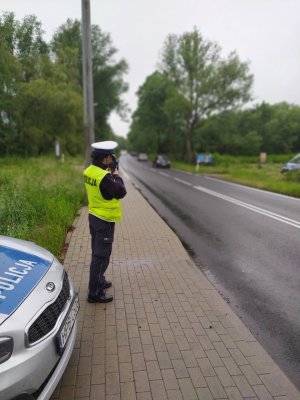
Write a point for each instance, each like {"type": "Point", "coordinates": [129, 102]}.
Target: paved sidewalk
{"type": "Point", "coordinates": [168, 334]}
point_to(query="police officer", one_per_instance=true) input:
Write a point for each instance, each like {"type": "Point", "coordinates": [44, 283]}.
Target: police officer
{"type": "Point", "coordinates": [104, 189]}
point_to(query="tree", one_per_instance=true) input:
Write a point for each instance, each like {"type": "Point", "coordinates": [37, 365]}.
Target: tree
{"type": "Point", "coordinates": [109, 85]}
{"type": "Point", "coordinates": [67, 52]}
{"type": "Point", "coordinates": [208, 83]}
{"type": "Point", "coordinates": [49, 111]}
{"type": "Point", "coordinates": [107, 73]}
{"type": "Point", "coordinates": [24, 41]}
{"type": "Point", "coordinates": [9, 76]}
{"type": "Point", "coordinates": [41, 86]}
{"type": "Point", "coordinates": [23, 54]}
{"type": "Point", "coordinates": [149, 128]}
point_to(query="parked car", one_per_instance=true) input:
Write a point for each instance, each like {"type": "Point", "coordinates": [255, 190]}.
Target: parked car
{"type": "Point", "coordinates": [161, 161]}
{"type": "Point", "coordinates": [292, 165]}
{"type": "Point", "coordinates": [38, 320]}
{"type": "Point", "coordinates": [142, 157]}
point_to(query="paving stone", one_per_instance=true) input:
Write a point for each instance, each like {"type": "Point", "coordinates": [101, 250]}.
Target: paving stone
{"type": "Point", "coordinates": [174, 395]}
{"type": "Point", "coordinates": [98, 375]}
{"type": "Point", "coordinates": [138, 362]}
{"type": "Point", "coordinates": [168, 336]}
{"type": "Point", "coordinates": [180, 369]}
{"type": "Point", "coordinates": [126, 372]}
{"type": "Point", "coordinates": [158, 390]}
{"type": "Point", "coordinates": [124, 354]}
{"type": "Point", "coordinates": [66, 393]}
{"type": "Point", "coordinates": [144, 396]}
{"type": "Point", "coordinates": [224, 376]}
{"type": "Point", "coordinates": [164, 360]}
{"type": "Point", "coordinates": [197, 378]}
{"type": "Point", "coordinates": [155, 329]}
{"type": "Point", "coordinates": [97, 392]}
{"type": "Point", "coordinates": [206, 367]}
{"type": "Point", "coordinates": [141, 381]}
{"type": "Point", "coordinates": [113, 397]}
{"type": "Point", "coordinates": [234, 394]}
{"type": "Point", "coordinates": [204, 394]}
{"type": "Point", "coordinates": [231, 366]}
{"type": "Point", "coordinates": [153, 370]}
{"type": "Point", "coordinates": [69, 377]}
{"type": "Point", "coordinates": [189, 358]}
{"type": "Point", "coordinates": [243, 386]}
{"type": "Point", "coordinates": [214, 358]}
{"type": "Point", "coordinates": [169, 379]}
{"type": "Point", "coordinates": [216, 387]}
{"type": "Point", "coordinates": [262, 392]}
{"type": "Point", "coordinates": [250, 375]}
{"type": "Point", "coordinates": [128, 391]}
{"type": "Point", "coordinates": [187, 389]}
{"type": "Point", "coordinates": [82, 387]}
{"type": "Point", "coordinates": [149, 352]}
{"type": "Point", "coordinates": [112, 381]}
{"type": "Point", "coordinates": [146, 337]}
{"type": "Point", "coordinates": [111, 363]}
{"type": "Point", "coordinates": [174, 351]}
{"type": "Point", "coordinates": [135, 345]}
{"type": "Point", "coordinates": [84, 366]}
{"type": "Point", "coordinates": [182, 343]}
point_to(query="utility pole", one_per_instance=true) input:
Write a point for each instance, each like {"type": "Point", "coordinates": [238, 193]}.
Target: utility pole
{"type": "Point", "coordinates": [87, 76]}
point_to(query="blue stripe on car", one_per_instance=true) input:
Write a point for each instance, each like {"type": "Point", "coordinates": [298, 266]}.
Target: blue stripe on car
{"type": "Point", "coordinates": [20, 272]}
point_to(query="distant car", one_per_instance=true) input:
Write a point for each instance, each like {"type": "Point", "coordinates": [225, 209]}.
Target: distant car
{"type": "Point", "coordinates": [142, 157]}
{"type": "Point", "coordinates": [161, 161]}
{"type": "Point", "coordinates": [292, 165]}
{"type": "Point", "coordinates": [38, 320]}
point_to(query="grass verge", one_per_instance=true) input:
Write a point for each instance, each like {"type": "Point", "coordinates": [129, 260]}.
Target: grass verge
{"type": "Point", "coordinates": [248, 171]}
{"type": "Point", "coordinates": [39, 199]}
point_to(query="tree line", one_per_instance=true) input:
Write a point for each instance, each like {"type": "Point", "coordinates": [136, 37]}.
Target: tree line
{"type": "Point", "coordinates": [41, 86]}
{"type": "Point", "coordinates": [196, 102]}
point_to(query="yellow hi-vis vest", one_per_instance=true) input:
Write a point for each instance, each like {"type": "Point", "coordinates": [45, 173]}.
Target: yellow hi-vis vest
{"type": "Point", "coordinates": [108, 210]}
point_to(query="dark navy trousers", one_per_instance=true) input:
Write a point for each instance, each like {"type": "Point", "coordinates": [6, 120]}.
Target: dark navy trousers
{"type": "Point", "coordinates": [102, 233]}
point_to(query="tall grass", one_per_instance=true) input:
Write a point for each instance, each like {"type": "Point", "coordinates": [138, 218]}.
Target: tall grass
{"type": "Point", "coordinates": [39, 199]}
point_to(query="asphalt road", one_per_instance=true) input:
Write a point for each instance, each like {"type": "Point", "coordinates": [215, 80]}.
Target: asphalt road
{"type": "Point", "coordinates": [246, 241]}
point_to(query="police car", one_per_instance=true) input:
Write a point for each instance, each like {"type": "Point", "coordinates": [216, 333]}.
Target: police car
{"type": "Point", "coordinates": [38, 325]}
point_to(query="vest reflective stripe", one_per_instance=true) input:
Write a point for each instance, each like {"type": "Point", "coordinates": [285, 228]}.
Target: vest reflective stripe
{"type": "Point", "coordinates": [108, 210]}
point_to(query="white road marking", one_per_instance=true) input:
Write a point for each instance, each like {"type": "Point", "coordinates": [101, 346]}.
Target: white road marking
{"type": "Point", "coordinates": [164, 174]}
{"type": "Point", "coordinates": [182, 181]}
{"type": "Point", "coordinates": [281, 218]}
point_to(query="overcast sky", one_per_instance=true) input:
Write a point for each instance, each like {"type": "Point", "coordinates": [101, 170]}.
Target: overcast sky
{"type": "Point", "coordinates": [263, 32]}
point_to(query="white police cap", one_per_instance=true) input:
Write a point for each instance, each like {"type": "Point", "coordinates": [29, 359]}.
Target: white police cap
{"type": "Point", "coordinates": [105, 147]}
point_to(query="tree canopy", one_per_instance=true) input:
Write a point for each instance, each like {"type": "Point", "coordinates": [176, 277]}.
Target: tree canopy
{"type": "Point", "coordinates": [196, 102]}
{"type": "Point", "coordinates": [205, 82]}
{"type": "Point", "coordinates": [41, 86]}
